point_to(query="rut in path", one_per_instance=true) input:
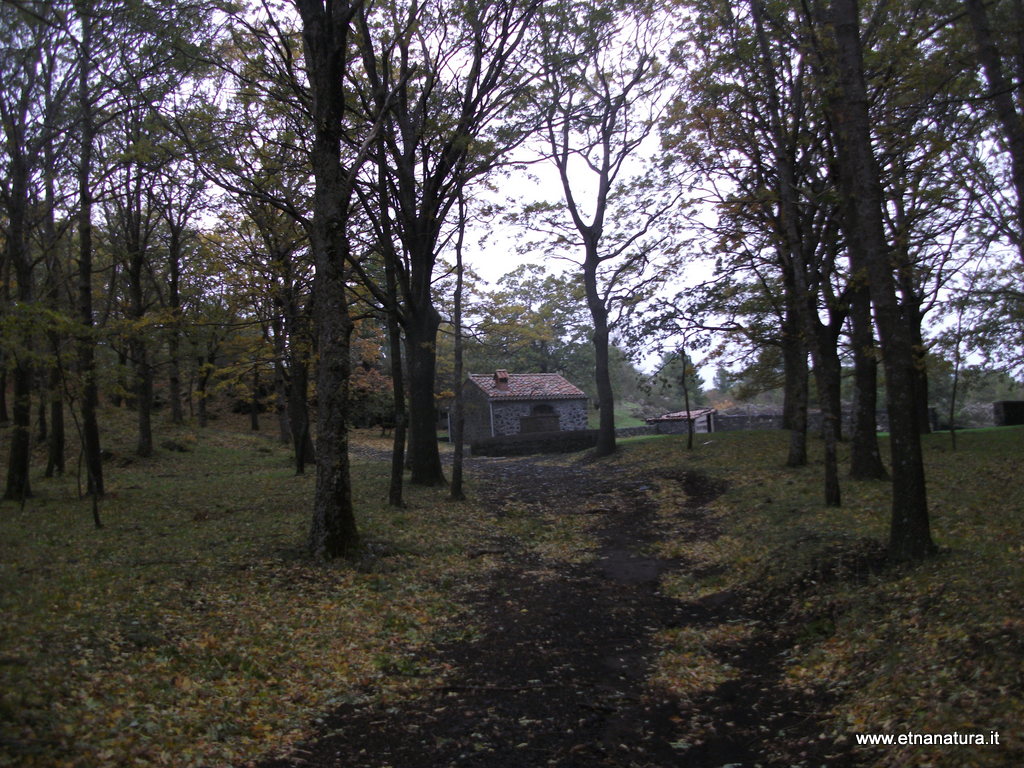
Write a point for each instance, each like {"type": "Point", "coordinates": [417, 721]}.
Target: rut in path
{"type": "Point", "coordinates": [557, 674]}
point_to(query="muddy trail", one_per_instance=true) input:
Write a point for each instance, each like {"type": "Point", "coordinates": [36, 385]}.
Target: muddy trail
{"type": "Point", "coordinates": [556, 673]}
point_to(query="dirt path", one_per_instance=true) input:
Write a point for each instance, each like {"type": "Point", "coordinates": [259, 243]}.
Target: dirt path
{"type": "Point", "coordinates": [557, 674]}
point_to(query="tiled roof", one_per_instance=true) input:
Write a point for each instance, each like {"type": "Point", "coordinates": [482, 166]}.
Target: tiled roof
{"type": "Point", "coordinates": [528, 386]}
{"type": "Point", "coordinates": [681, 415]}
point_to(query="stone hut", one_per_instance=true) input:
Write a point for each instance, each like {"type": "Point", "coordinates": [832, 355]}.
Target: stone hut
{"type": "Point", "coordinates": [678, 422]}
{"type": "Point", "coordinates": [506, 403]}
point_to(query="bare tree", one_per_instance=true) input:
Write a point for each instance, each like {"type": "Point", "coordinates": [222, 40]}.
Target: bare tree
{"type": "Point", "coordinates": [600, 98]}
{"type": "Point", "coordinates": [459, 78]}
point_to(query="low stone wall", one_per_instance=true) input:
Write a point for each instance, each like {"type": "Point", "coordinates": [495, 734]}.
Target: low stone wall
{"type": "Point", "coordinates": [646, 429]}
{"type": "Point", "coordinates": [732, 423]}
{"type": "Point", "coordinates": [535, 442]}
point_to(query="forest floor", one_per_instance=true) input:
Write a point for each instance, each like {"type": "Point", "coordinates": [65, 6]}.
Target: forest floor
{"type": "Point", "coordinates": [556, 670]}
{"type": "Point", "coordinates": [659, 607]}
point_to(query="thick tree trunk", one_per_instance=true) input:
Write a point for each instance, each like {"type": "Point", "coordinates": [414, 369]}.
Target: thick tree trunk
{"type": "Point", "coordinates": [333, 531]}
{"type": "Point", "coordinates": [829, 382]}
{"type": "Point", "coordinates": [298, 413]}
{"type": "Point", "coordinates": [865, 458]}
{"type": "Point", "coordinates": [421, 355]}
{"type": "Point", "coordinates": [910, 534]}
{"type": "Point", "coordinates": [827, 376]}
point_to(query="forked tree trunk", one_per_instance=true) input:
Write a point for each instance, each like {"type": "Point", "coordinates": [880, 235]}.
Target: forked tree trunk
{"type": "Point", "coordinates": [910, 532]}
{"type": "Point", "coordinates": [795, 256]}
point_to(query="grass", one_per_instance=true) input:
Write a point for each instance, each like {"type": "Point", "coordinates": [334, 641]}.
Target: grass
{"type": "Point", "coordinates": [932, 648]}
{"type": "Point", "coordinates": [191, 631]}
{"type": "Point", "coordinates": [624, 416]}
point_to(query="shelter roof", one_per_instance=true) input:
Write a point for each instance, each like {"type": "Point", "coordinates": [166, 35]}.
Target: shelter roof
{"type": "Point", "coordinates": [502, 385]}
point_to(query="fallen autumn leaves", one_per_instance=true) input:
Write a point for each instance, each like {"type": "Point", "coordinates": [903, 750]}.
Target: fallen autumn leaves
{"type": "Point", "coordinates": [190, 632]}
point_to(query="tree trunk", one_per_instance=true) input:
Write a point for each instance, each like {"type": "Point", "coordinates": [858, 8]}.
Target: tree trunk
{"type": "Point", "coordinates": [1002, 95]}
{"type": "Point", "coordinates": [284, 427]}
{"type": "Point", "coordinates": [298, 414]}
{"type": "Point", "coordinates": [795, 257]}
{"type": "Point", "coordinates": [333, 531]}
{"type": "Point", "coordinates": [18, 256]}
{"type": "Point", "coordinates": [299, 345]}
{"type": "Point", "coordinates": [686, 401]}
{"type": "Point", "coordinates": [602, 369]}
{"type": "Point", "coordinates": [910, 534]}
{"type": "Point", "coordinates": [19, 459]}
{"type": "Point", "coordinates": [92, 454]}
{"type": "Point", "coordinates": [143, 395]}
{"type": "Point", "coordinates": [42, 430]}
{"type": "Point", "coordinates": [911, 313]}
{"type": "Point", "coordinates": [55, 444]}
{"type": "Point", "coordinates": [20, 456]}
{"type": "Point", "coordinates": [827, 376]}
{"type": "Point", "coordinates": [397, 389]}
{"type": "Point", "coordinates": [54, 278]}
{"type": "Point", "coordinates": [421, 355]}
{"type": "Point", "coordinates": [174, 339]}
{"type": "Point", "coordinates": [138, 343]}
{"type": "Point", "coordinates": [254, 402]}
{"type": "Point", "coordinates": [202, 384]}
{"type": "Point", "coordinates": [865, 458]}
{"type": "Point", "coordinates": [456, 417]}
{"type": "Point", "coordinates": [795, 370]}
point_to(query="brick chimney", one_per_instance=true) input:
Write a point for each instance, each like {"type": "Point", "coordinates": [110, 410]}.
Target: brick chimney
{"type": "Point", "coordinates": [501, 379]}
